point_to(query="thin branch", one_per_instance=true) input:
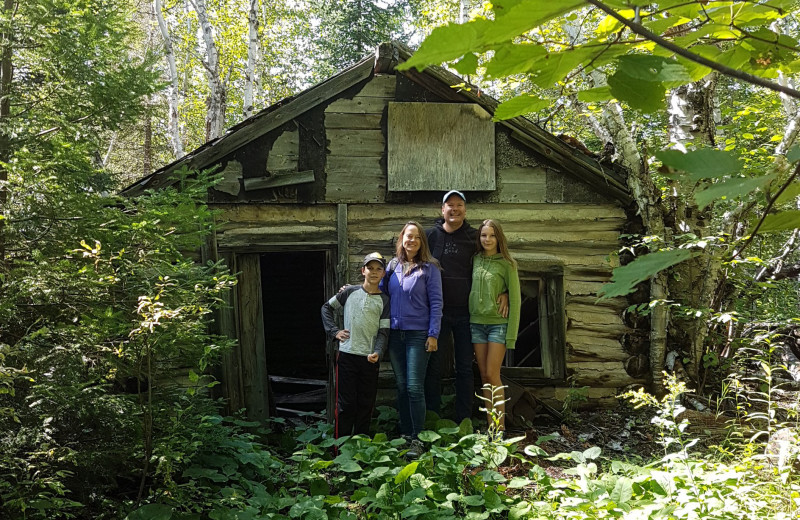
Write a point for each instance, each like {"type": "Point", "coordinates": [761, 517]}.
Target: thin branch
{"type": "Point", "coordinates": [680, 51]}
{"type": "Point", "coordinates": [771, 203]}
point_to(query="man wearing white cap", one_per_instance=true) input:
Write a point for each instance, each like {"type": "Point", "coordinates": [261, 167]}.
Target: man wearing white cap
{"type": "Point", "coordinates": [453, 242]}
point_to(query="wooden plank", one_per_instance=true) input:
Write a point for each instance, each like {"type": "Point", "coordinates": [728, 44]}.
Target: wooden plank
{"type": "Point", "coordinates": [251, 337]}
{"type": "Point", "coordinates": [258, 125]}
{"type": "Point", "coordinates": [381, 86]}
{"type": "Point", "coordinates": [279, 179]}
{"type": "Point", "coordinates": [233, 216]}
{"type": "Point", "coordinates": [361, 143]}
{"type": "Point", "coordinates": [522, 185]}
{"type": "Point", "coordinates": [424, 153]}
{"type": "Point", "coordinates": [354, 179]}
{"type": "Point", "coordinates": [581, 352]}
{"type": "Point", "coordinates": [334, 120]}
{"type": "Point", "coordinates": [283, 155]}
{"type": "Point", "coordinates": [259, 238]}
{"type": "Point", "coordinates": [226, 320]}
{"type": "Point", "coordinates": [359, 105]}
{"type": "Point", "coordinates": [608, 374]}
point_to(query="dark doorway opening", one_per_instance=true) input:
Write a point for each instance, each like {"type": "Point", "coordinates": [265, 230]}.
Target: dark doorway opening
{"type": "Point", "coordinates": [293, 286]}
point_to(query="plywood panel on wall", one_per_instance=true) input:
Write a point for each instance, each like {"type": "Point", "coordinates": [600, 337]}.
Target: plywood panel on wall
{"type": "Point", "coordinates": [435, 146]}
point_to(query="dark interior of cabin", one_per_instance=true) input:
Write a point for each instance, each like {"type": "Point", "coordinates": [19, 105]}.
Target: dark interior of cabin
{"type": "Point", "coordinates": [292, 285]}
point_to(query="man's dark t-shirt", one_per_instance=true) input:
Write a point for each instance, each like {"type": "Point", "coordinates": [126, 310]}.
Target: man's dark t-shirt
{"type": "Point", "coordinates": [454, 252]}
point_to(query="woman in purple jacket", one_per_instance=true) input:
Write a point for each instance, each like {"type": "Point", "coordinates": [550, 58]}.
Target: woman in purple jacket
{"type": "Point", "coordinates": [414, 285]}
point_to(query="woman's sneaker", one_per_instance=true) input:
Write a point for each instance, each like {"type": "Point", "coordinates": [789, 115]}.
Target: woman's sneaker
{"type": "Point", "coordinates": [415, 450]}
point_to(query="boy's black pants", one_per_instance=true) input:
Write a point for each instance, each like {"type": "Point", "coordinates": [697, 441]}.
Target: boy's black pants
{"type": "Point", "coordinates": [356, 389]}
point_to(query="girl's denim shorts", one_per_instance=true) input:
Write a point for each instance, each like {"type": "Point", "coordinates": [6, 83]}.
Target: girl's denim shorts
{"type": "Point", "coordinates": [488, 333]}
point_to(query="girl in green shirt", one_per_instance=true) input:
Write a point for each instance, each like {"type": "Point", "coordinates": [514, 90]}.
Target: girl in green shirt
{"type": "Point", "coordinates": [494, 272]}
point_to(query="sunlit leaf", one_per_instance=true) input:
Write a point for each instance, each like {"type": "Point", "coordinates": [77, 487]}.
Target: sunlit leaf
{"type": "Point", "coordinates": [783, 221]}
{"type": "Point", "coordinates": [524, 104]}
{"type": "Point", "coordinates": [406, 472]}
{"type": "Point", "coordinates": [467, 65]}
{"type": "Point", "coordinates": [452, 41]}
{"type": "Point", "coordinates": [624, 279]}
{"type": "Point", "coordinates": [706, 163]}
{"type": "Point", "coordinates": [595, 94]}
{"type": "Point", "coordinates": [515, 59]}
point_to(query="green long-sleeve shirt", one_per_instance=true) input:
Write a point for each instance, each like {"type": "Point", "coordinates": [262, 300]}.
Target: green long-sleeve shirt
{"type": "Point", "coordinates": [492, 276]}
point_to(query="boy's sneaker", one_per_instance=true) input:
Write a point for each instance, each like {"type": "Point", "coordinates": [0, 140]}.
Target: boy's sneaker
{"type": "Point", "coordinates": [415, 450]}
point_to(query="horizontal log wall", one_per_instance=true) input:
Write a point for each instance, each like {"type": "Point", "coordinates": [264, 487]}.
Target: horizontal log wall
{"type": "Point", "coordinates": [576, 238]}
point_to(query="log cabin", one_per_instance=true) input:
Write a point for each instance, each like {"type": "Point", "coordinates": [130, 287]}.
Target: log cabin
{"type": "Point", "coordinates": [316, 181]}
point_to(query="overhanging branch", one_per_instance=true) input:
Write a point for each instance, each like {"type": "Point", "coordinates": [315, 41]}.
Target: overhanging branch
{"type": "Point", "coordinates": [680, 51]}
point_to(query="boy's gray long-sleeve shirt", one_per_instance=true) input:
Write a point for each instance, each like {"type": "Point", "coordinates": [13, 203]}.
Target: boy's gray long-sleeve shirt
{"type": "Point", "coordinates": [366, 316]}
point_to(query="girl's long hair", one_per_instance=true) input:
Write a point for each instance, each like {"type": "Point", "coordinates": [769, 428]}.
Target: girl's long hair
{"type": "Point", "coordinates": [424, 253]}
{"type": "Point", "coordinates": [502, 243]}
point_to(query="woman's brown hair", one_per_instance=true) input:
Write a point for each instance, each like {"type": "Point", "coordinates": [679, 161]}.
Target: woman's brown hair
{"type": "Point", "coordinates": [502, 243]}
{"type": "Point", "coordinates": [424, 253]}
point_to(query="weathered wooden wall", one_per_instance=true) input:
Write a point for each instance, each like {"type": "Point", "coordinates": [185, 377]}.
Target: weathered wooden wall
{"type": "Point", "coordinates": [554, 223]}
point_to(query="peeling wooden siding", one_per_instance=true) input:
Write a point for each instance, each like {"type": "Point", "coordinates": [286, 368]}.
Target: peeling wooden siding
{"type": "Point", "coordinates": [357, 144]}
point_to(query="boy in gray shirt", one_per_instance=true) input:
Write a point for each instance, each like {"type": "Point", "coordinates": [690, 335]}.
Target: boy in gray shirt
{"type": "Point", "coordinates": [362, 342]}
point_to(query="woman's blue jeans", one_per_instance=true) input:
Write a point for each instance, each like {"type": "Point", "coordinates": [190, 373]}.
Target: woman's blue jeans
{"type": "Point", "coordinates": [409, 362]}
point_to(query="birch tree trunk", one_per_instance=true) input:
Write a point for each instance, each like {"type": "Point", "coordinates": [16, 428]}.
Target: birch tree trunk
{"type": "Point", "coordinates": [6, 72]}
{"type": "Point", "coordinates": [649, 205]}
{"type": "Point", "coordinates": [253, 55]}
{"type": "Point", "coordinates": [172, 93]}
{"type": "Point", "coordinates": [215, 104]}
{"type": "Point", "coordinates": [693, 115]}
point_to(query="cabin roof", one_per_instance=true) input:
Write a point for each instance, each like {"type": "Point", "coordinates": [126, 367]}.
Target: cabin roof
{"type": "Point", "coordinates": [604, 177]}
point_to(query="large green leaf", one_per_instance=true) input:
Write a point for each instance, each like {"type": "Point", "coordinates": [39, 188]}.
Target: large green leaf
{"type": "Point", "coordinates": [783, 221]}
{"type": "Point", "coordinates": [731, 189]}
{"type": "Point", "coordinates": [652, 68]}
{"type": "Point", "coordinates": [514, 59]}
{"type": "Point", "coordinates": [705, 163]}
{"type": "Point", "coordinates": [406, 472]}
{"type": "Point", "coordinates": [447, 43]}
{"type": "Point", "coordinates": [524, 104]}
{"type": "Point", "coordinates": [624, 279]}
{"type": "Point", "coordinates": [596, 94]}
{"type": "Point", "coordinates": [557, 65]}
{"type": "Point", "coordinates": [789, 194]}
{"type": "Point", "coordinates": [151, 512]}
{"type": "Point", "coordinates": [646, 96]}
{"type": "Point", "coordinates": [793, 154]}
{"type": "Point", "coordinates": [452, 41]}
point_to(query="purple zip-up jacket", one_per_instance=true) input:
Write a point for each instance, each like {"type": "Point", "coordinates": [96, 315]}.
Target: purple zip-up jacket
{"type": "Point", "coordinates": [416, 298]}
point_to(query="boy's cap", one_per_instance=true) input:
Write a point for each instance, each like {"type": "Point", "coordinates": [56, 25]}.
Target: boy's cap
{"type": "Point", "coordinates": [374, 257]}
{"type": "Point", "coordinates": [453, 192]}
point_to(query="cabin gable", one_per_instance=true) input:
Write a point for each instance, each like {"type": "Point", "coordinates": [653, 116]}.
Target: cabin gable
{"type": "Point", "coordinates": [314, 183]}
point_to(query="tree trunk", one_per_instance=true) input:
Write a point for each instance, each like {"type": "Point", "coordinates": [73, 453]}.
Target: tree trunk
{"type": "Point", "coordinates": [696, 283]}
{"type": "Point", "coordinates": [649, 204]}
{"type": "Point", "coordinates": [6, 72]}
{"type": "Point", "coordinates": [215, 104]}
{"type": "Point", "coordinates": [253, 54]}
{"type": "Point", "coordinates": [172, 95]}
